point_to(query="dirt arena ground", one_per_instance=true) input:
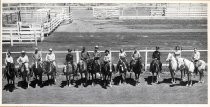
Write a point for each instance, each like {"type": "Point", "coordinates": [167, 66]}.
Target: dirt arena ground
{"type": "Point", "coordinates": [115, 34]}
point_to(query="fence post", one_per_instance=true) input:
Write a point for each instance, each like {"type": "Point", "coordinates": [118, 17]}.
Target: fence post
{"type": "Point", "coordinates": [77, 56]}
{"type": "Point", "coordinates": [110, 60]}
{"type": "Point", "coordinates": [11, 39]}
{"type": "Point", "coordinates": [146, 59]}
{"type": "Point", "coordinates": [35, 38]}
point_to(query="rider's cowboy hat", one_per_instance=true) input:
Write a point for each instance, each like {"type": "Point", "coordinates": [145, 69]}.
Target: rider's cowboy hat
{"type": "Point", "coordinates": [50, 49]}
{"type": "Point", "coordinates": [96, 47]}
{"type": "Point", "coordinates": [157, 47]}
{"type": "Point", "coordinates": [69, 50]}
{"type": "Point", "coordinates": [23, 52]}
{"type": "Point", "coordinates": [36, 49]}
{"type": "Point", "coordinates": [106, 51]}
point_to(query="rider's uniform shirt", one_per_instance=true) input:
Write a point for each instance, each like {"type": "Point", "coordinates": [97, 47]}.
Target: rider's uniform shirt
{"type": "Point", "coordinates": [107, 58]}
{"type": "Point", "coordinates": [22, 60]}
{"type": "Point", "coordinates": [84, 56]}
{"type": "Point", "coordinates": [69, 58]}
{"type": "Point", "coordinates": [97, 55]}
{"type": "Point", "coordinates": [37, 56]}
{"type": "Point", "coordinates": [50, 57]}
{"type": "Point", "coordinates": [177, 53]}
{"type": "Point", "coordinates": [122, 55]}
{"type": "Point", "coordinates": [8, 60]}
{"type": "Point", "coordinates": [136, 55]}
{"type": "Point", "coordinates": [156, 54]}
{"type": "Point", "coordinates": [196, 56]}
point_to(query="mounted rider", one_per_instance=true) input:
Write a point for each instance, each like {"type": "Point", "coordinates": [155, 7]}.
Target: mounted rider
{"type": "Point", "coordinates": [177, 54]}
{"type": "Point", "coordinates": [23, 60]}
{"type": "Point", "coordinates": [50, 57]}
{"type": "Point", "coordinates": [69, 58]}
{"type": "Point", "coordinates": [107, 57]}
{"type": "Point", "coordinates": [37, 57]}
{"type": "Point", "coordinates": [156, 56]}
{"type": "Point", "coordinates": [122, 59]}
{"type": "Point", "coordinates": [196, 58]}
{"type": "Point", "coordinates": [9, 60]}
{"type": "Point", "coordinates": [136, 56]}
{"type": "Point", "coordinates": [97, 55]}
{"type": "Point", "coordinates": [84, 57]}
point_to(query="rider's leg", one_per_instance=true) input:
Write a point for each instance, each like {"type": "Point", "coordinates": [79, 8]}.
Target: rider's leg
{"type": "Point", "coordinates": [160, 65]}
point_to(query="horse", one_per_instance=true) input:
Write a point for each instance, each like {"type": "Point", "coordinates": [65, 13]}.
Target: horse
{"type": "Point", "coordinates": [82, 68]}
{"type": "Point", "coordinates": [68, 71]}
{"type": "Point", "coordinates": [50, 70]}
{"type": "Point", "coordinates": [107, 71]}
{"type": "Point", "coordinates": [10, 73]}
{"type": "Point", "coordinates": [154, 68]}
{"type": "Point", "coordinates": [136, 67]}
{"type": "Point", "coordinates": [189, 67]}
{"type": "Point", "coordinates": [173, 67]}
{"type": "Point", "coordinates": [122, 70]}
{"type": "Point", "coordinates": [24, 73]}
{"type": "Point", "coordinates": [38, 70]}
{"type": "Point", "coordinates": [95, 68]}
{"type": "Point", "coordinates": [200, 66]}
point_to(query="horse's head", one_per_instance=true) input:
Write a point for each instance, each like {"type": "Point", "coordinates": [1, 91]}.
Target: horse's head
{"type": "Point", "coordinates": [23, 67]}
{"type": "Point", "coordinates": [181, 63]}
{"type": "Point", "coordinates": [170, 56]}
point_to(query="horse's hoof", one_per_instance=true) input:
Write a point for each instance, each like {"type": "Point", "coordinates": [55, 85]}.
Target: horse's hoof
{"type": "Point", "coordinates": [187, 85]}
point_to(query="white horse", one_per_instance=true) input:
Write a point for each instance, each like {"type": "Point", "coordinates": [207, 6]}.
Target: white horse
{"type": "Point", "coordinates": [201, 67]}
{"type": "Point", "coordinates": [173, 67]}
{"type": "Point", "coordinates": [189, 67]}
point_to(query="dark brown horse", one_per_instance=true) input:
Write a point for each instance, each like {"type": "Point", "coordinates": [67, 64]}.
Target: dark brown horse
{"type": "Point", "coordinates": [107, 71]}
{"type": "Point", "coordinates": [136, 67]}
{"type": "Point", "coordinates": [69, 72]}
{"type": "Point", "coordinates": [155, 68]}
{"type": "Point", "coordinates": [122, 70]}
{"type": "Point", "coordinates": [38, 71]}
{"type": "Point", "coordinates": [25, 74]}
{"type": "Point", "coordinates": [94, 69]}
{"type": "Point", "coordinates": [10, 73]}
{"type": "Point", "coordinates": [50, 70]}
{"type": "Point", "coordinates": [82, 68]}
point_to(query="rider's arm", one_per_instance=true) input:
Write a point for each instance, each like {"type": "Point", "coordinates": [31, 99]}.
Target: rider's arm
{"type": "Point", "coordinates": [88, 55]}
{"type": "Point", "coordinates": [26, 60]}
{"type": "Point", "coordinates": [12, 59]}
{"type": "Point", "coordinates": [46, 58]}
{"type": "Point", "coordinates": [132, 56]}
{"type": "Point", "coordinates": [33, 56]}
{"type": "Point", "coordinates": [153, 55]}
{"type": "Point", "coordinates": [5, 61]}
{"type": "Point", "coordinates": [53, 57]}
{"type": "Point", "coordinates": [18, 60]}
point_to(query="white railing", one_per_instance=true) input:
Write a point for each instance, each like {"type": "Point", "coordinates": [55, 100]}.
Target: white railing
{"type": "Point", "coordinates": [17, 36]}
{"type": "Point", "coordinates": [115, 51]}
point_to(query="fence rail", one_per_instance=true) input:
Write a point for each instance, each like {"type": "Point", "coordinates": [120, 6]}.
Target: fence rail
{"type": "Point", "coordinates": [114, 51]}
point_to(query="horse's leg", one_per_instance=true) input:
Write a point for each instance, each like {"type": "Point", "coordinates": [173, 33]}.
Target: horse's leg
{"type": "Point", "coordinates": [110, 80]}
{"type": "Point", "coordinates": [172, 76]}
{"type": "Point", "coordinates": [191, 75]}
{"type": "Point", "coordinates": [152, 77]}
{"type": "Point", "coordinates": [157, 77]}
{"type": "Point", "coordinates": [8, 80]}
{"type": "Point", "coordinates": [86, 78]}
{"type": "Point", "coordinates": [182, 75]}
{"type": "Point", "coordinates": [188, 79]}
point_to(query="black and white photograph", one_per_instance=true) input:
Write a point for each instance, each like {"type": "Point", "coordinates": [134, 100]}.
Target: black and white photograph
{"type": "Point", "coordinates": [104, 53]}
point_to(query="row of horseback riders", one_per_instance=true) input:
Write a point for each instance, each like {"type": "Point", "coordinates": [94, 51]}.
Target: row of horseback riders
{"type": "Point", "coordinates": [50, 57]}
